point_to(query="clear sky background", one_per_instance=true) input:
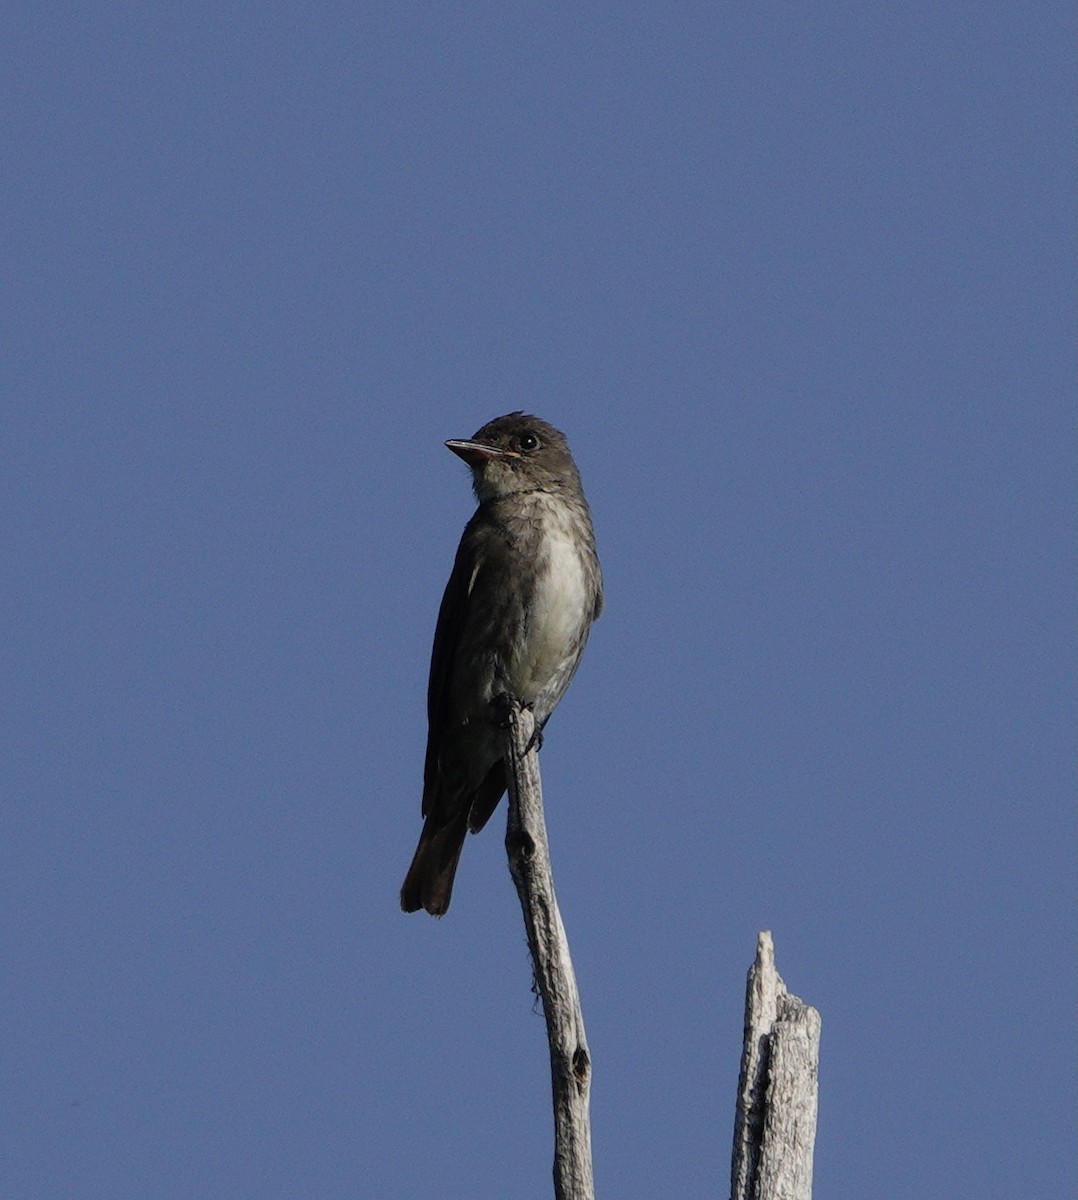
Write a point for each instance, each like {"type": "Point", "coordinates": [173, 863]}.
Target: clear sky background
{"type": "Point", "coordinates": [797, 282]}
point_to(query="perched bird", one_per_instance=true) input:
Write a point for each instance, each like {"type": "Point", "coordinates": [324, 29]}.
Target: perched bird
{"type": "Point", "coordinates": [524, 590]}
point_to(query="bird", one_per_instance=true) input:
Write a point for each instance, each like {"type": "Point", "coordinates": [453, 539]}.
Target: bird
{"type": "Point", "coordinates": [525, 587]}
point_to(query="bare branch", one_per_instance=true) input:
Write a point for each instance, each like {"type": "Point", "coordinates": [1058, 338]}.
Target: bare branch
{"type": "Point", "coordinates": [775, 1126]}
{"type": "Point", "coordinates": [529, 864]}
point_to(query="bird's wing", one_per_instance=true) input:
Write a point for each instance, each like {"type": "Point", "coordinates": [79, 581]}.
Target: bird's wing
{"type": "Point", "coordinates": [452, 621]}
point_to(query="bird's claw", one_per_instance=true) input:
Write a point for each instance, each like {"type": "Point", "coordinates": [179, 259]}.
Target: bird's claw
{"type": "Point", "coordinates": [502, 706]}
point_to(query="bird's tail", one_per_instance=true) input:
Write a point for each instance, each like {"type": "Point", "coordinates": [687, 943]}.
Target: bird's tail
{"type": "Point", "coordinates": [429, 882]}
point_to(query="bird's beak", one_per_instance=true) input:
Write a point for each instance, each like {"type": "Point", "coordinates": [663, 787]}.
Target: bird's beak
{"type": "Point", "coordinates": [474, 453]}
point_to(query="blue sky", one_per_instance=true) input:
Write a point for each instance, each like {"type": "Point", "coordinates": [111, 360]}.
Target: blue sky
{"type": "Point", "coordinates": [797, 281]}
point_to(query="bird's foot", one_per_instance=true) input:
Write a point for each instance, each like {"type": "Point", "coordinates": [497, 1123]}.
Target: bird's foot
{"type": "Point", "coordinates": [502, 706]}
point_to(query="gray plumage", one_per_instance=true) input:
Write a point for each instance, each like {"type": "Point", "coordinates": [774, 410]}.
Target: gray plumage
{"type": "Point", "coordinates": [514, 620]}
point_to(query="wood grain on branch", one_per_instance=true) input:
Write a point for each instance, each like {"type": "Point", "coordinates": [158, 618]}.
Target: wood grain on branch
{"type": "Point", "coordinates": [529, 864]}
{"type": "Point", "coordinates": [775, 1128]}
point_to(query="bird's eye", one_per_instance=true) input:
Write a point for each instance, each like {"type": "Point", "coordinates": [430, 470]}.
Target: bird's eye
{"type": "Point", "coordinates": [528, 441]}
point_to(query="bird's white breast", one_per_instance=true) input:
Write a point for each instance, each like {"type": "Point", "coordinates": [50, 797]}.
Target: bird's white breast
{"type": "Point", "coordinates": [559, 611]}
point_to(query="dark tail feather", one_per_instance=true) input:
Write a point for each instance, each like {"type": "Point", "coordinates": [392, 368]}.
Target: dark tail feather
{"type": "Point", "coordinates": [486, 797]}
{"type": "Point", "coordinates": [429, 882]}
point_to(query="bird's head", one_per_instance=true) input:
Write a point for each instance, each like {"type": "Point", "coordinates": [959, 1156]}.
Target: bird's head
{"type": "Point", "coordinates": [517, 453]}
